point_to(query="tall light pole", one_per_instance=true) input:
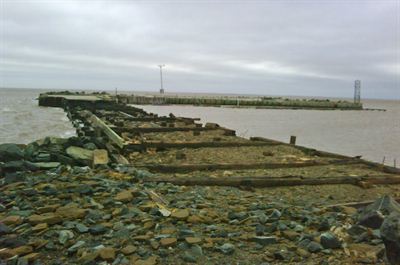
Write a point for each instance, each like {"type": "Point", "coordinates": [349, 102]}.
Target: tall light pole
{"type": "Point", "coordinates": [161, 79]}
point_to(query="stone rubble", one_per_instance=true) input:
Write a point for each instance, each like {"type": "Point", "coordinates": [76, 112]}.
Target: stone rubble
{"type": "Point", "coordinates": [68, 213]}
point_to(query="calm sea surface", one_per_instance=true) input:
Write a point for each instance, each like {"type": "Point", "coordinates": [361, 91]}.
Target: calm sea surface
{"type": "Point", "coordinates": [372, 134]}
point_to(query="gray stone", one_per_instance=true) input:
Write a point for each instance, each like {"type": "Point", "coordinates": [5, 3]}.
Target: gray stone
{"type": "Point", "coordinates": [193, 254]}
{"type": "Point", "coordinates": [314, 247]}
{"type": "Point", "coordinates": [76, 246]}
{"type": "Point", "coordinates": [275, 215]}
{"type": "Point", "coordinates": [227, 248]}
{"type": "Point", "coordinates": [373, 215]}
{"type": "Point", "coordinates": [260, 229]}
{"type": "Point", "coordinates": [81, 228]}
{"type": "Point", "coordinates": [390, 233]}
{"type": "Point", "coordinates": [97, 229]}
{"type": "Point", "coordinates": [329, 240]}
{"type": "Point", "coordinates": [4, 229]}
{"type": "Point", "coordinates": [10, 152]}
{"type": "Point", "coordinates": [64, 236]}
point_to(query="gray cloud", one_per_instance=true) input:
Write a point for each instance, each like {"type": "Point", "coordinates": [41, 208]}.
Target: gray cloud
{"type": "Point", "coordinates": [261, 47]}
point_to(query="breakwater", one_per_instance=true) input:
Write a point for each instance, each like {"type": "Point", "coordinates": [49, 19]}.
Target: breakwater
{"type": "Point", "coordinates": [169, 145]}
{"type": "Point", "coordinates": [241, 102]}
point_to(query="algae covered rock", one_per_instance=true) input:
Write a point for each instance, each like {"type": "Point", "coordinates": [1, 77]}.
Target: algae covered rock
{"type": "Point", "coordinates": [10, 152]}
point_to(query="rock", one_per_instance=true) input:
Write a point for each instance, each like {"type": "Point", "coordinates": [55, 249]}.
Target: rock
{"type": "Point", "coordinates": [76, 246]}
{"type": "Point", "coordinates": [390, 233]}
{"type": "Point", "coordinates": [98, 229]}
{"type": "Point", "coordinates": [227, 248]}
{"type": "Point", "coordinates": [275, 215]}
{"type": "Point", "coordinates": [330, 241]}
{"type": "Point", "coordinates": [239, 216]}
{"type": "Point", "coordinates": [193, 240]}
{"type": "Point", "coordinates": [107, 253]}
{"type": "Point", "coordinates": [32, 257]}
{"type": "Point", "coordinates": [193, 254]}
{"type": "Point", "coordinates": [18, 165]}
{"type": "Point", "coordinates": [81, 155]}
{"type": "Point", "coordinates": [22, 250]}
{"type": "Point", "coordinates": [12, 242]}
{"type": "Point", "coordinates": [88, 258]}
{"type": "Point", "coordinates": [47, 165]}
{"type": "Point", "coordinates": [263, 240]}
{"type": "Point", "coordinates": [302, 252]}
{"type": "Point", "coordinates": [90, 146]}
{"type": "Point", "coordinates": [180, 214]}
{"type": "Point", "coordinates": [48, 218]}
{"type": "Point", "coordinates": [373, 215]}
{"type": "Point", "coordinates": [260, 229]}
{"type": "Point", "coordinates": [128, 250]}
{"type": "Point", "coordinates": [64, 236]}
{"type": "Point", "coordinates": [81, 228]}
{"type": "Point", "coordinates": [4, 229]}
{"type": "Point", "coordinates": [124, 196]}
{"type": "Point", "coordinates": [12, 220]}
{"type": "Point", "coordinates": [314, 247]}
{"type": "Point", "coordinates": [291, 235]}
{"type": "Point", "coordinates": [13, 177]}
{"type": "Point", "coordinates": [10, 152]}
{"type": "Point", "coordinates": [39, 227]}
{"type": "Point", "coordinates": [168, 241]}
{"type": "Point", "coordinates": [71, 212]}
{"type": "Point", "coordinates": [100, 157]}
{"type": "Point", "coordinates": [149, 261]}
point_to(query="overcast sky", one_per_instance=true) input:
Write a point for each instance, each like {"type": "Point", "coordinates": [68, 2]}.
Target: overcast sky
{"type": "Point", "coordinates": [308, 48]}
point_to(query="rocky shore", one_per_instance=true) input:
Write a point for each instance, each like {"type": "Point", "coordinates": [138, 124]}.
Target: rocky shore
{"type": "Point", "coordinates": [63, 202]}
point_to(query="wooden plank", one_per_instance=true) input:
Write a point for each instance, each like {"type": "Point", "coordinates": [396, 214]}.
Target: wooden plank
{"type": "Point", "coordinates": [182, 168]}
{"type": "Point", "coordinates": [162, 129]}
{"type": "Point", "coordinates": [164, 145]}
{"type": "Point", "coordinates": [267, 181]}
{"type": "Point", "coordinates": [113, 136]}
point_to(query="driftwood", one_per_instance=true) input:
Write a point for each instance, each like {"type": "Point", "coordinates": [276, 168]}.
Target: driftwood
{"type": "Point", "coordinates": [168, 168]}
{"type": "Point", "coordinates": [273, 181]}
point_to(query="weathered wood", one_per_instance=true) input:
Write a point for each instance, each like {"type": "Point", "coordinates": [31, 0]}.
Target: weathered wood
{"type": "Point", "coordinates": [113, 136]}
{"type": "Point", "coordinates": [311, 151]}
{"type": "Point", "coordinates": [354, 204]}
{"type": "Point", "coordinates": [181, 168]}
{"type": "Point", "coordinates": [164, 145]}
{"type": "Point", "coordinates": [267, 181]}
{"type": "Point", "coordinates": [162, 129]}
{"type": "Point", "coordinates": [156, 118]}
